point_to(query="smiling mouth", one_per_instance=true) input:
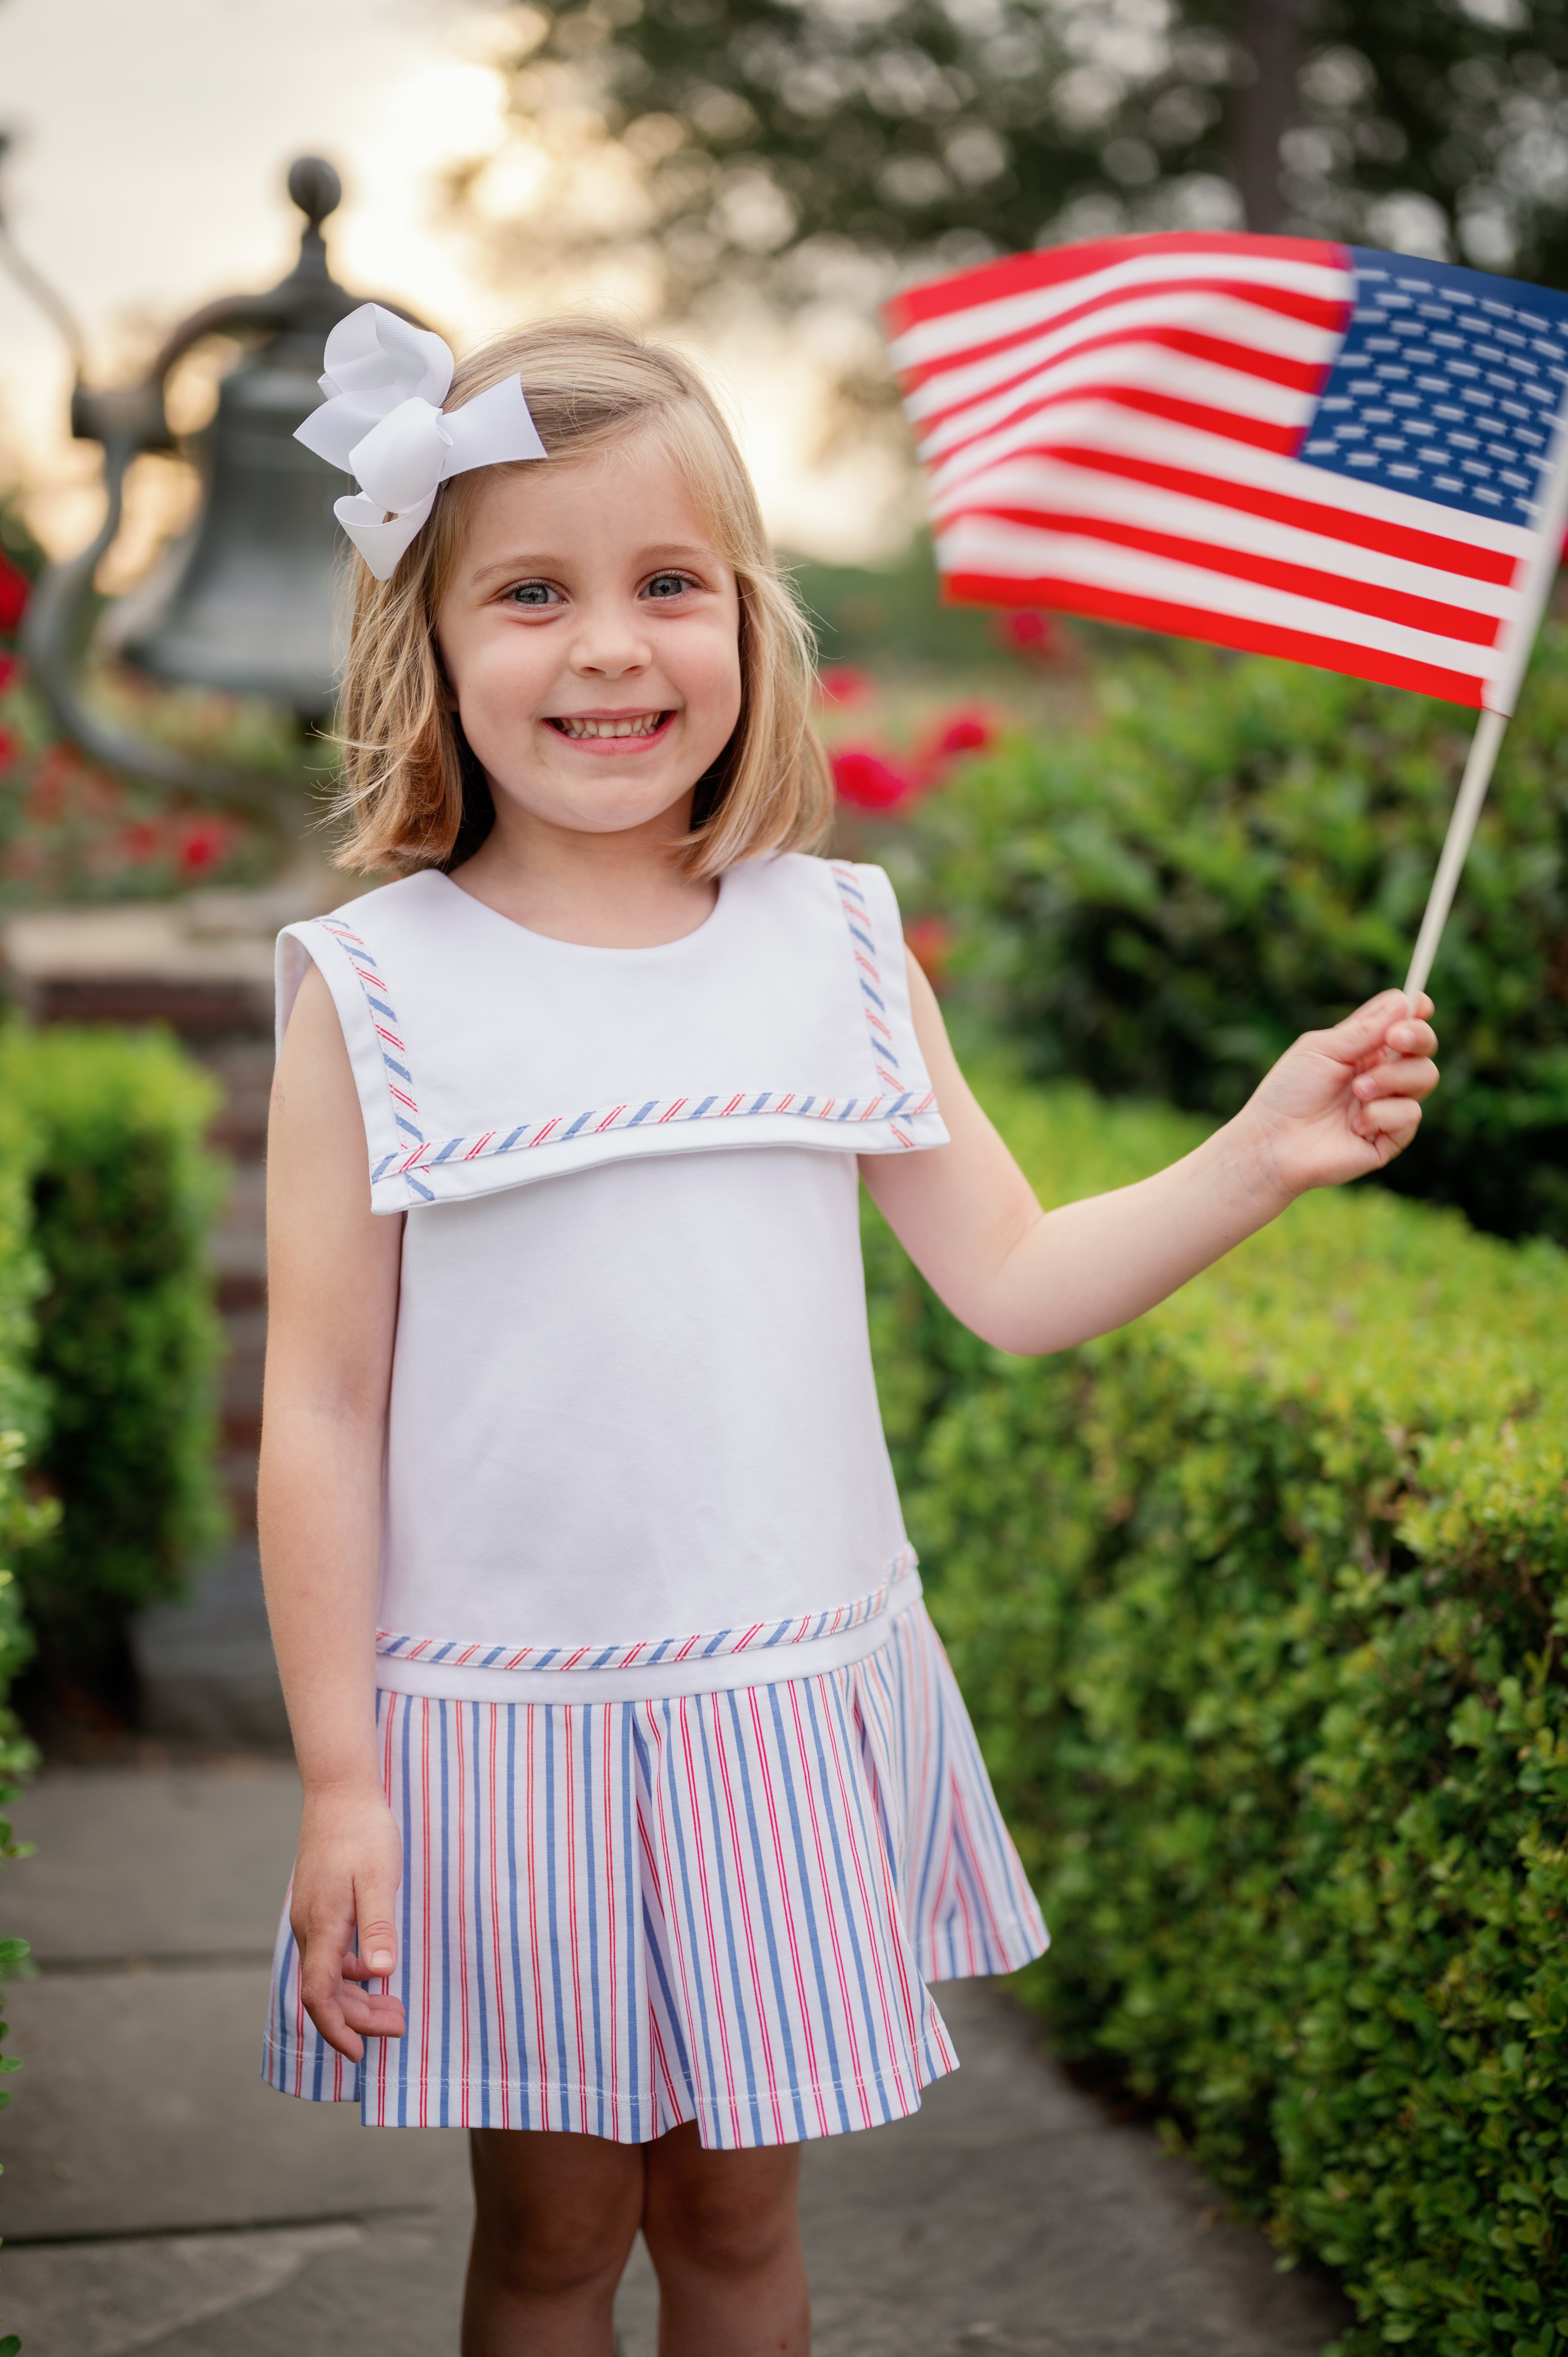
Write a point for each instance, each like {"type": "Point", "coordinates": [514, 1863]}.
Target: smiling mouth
{"type": "Point", "coordinates": [634, 724]}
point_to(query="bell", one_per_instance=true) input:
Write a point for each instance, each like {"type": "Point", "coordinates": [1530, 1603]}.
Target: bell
{"type": "Point", "coordinates": [245, 600]}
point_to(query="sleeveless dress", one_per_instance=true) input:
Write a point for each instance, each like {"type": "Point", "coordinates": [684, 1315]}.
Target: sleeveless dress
{"type": "Point", "coordinates": [690, 1808]}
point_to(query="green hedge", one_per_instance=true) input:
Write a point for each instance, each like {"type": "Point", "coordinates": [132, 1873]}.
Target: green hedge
{"type": "Point", "coordinates": [124, 1196]}
{"type": "Point", "coordinates": [1261, 1609]}
{"type": "Point", "coordinates": [1242, 848]}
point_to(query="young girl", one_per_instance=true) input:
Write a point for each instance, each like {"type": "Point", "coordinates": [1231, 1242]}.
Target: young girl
{"type": "Point", "coordinates": [640, 1803]}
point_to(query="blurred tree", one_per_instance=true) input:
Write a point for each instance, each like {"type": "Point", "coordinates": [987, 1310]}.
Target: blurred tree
{"type": "Point", "coordinates": [787, 144]}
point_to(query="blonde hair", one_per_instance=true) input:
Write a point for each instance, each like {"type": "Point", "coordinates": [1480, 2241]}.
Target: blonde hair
{"type": "Point", "coordinates": [414, 794]}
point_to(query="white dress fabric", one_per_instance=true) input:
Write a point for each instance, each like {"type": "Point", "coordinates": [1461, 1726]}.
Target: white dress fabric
{"type": "Point", "coordinates": [690, 1807]}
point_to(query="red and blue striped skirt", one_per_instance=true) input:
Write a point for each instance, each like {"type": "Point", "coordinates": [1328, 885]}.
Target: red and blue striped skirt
{"type": "Point", "coordinates": [617, 1916]}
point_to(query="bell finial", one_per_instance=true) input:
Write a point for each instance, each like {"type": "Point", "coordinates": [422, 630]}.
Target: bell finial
{"type": "Point", "coordinates": [314, 188]}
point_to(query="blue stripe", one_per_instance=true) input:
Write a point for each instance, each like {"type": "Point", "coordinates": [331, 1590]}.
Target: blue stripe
{"type": "Point", "coordinates": [576, 1125]}
{"type": "Point", "coordinates": [775, 1963]}
{"type": "Point", "coordinates": [379, 1004]}
{"type": "Point", "coordinates": [671, 1782]}
{"type": "Point", "coordinates": [591, 1885]}
{"type": "Point", "coordinates": [404, 2063]}
{"type": "Point", "coordinates": [699, 1111]}
{"type": "Point", "coordinates": [447, 1150]}
{"type": "Point", "coordinates": [556, 1974]}
{"type": "Point", "coordinates": [642, 1112]}
{"type": "Point", "coordinates": [635, 2015]}
{"type": "Point", "coordinates": [519, 2016]}
{"type": "Point", "coordinates": [510, 1140]}
{"type": "Point", "coordinates": [731, 1946]}
{"type": "Point", "coordinates": [448, 1885]}
{"type": "Point", "coordinates": [481, 1928]}
{"type": "Point", "coordinates": [382, 1164]}
{"type": "Point", "coordinates": [852, 1923]}
{"type": "Point", "coordinates": [804, 1885]}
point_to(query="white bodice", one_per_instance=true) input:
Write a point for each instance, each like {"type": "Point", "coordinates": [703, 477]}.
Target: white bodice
{"type": "Point", "coordinates": [633, 1427]}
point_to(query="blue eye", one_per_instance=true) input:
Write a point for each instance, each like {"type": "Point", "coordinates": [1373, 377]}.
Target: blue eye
{"type": "Point", "coordinates": [532, 593]}
{"type": "Point", "coordinates": [671, 584]}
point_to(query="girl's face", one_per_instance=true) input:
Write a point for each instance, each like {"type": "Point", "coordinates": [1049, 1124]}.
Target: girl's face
{"type": "Point", "coordinates": [591, 635]}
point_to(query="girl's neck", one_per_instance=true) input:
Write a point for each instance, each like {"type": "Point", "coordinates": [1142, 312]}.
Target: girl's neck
{"type": "Point", "coordinates": [621, 891]}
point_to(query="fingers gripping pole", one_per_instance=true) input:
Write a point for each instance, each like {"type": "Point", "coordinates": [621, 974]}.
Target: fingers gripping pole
{"type": "Point", "coordinates": [1472, 794]}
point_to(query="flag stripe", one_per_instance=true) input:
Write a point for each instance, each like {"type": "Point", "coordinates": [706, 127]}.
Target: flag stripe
{"type": "Point", "coordinates": [958, 393]}
{"type": "Point", "coordinates": [1106, 604]}
{"type": "Point", "coordinates": [1211, 403]}
{"type": "Point", "coordinates": [979, 544]}
{"type": "Point", "coordinates": [1321, 516]}
{"type": "Point", "coordinates": [955, 314]}
{"type": "Point", "coordinates": [1269, 315]}
{"type": "Point", "coordinates": [1244, 565]}
{"type": "Point", "coordinates": [1122, 435]}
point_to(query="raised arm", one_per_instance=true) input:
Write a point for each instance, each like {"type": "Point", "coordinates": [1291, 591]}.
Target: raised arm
{"type": "Point", "coordinates": [332, 1285]}
{"type": "Point", "coordinates": [1338, 1103]}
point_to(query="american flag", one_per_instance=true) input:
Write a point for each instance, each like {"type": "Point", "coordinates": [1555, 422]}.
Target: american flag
{"type": "Point", "coordinates": [1307, 449]}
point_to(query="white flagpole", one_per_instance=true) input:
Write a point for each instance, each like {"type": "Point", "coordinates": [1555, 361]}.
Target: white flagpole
{"type": "Point", "coordinates": [1501, 696]}
{"type": "Point", "coordinates": [1473, 786]}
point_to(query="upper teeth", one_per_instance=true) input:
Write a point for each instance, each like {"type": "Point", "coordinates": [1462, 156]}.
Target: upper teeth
{"type": "Point", "coordinates": [640, 723]}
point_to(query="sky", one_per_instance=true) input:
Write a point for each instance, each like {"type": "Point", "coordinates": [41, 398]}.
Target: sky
{"type": "Point", "coordinates": [151, 141]}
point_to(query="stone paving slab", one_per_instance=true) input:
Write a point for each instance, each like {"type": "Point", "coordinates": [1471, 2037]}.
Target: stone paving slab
{"type": "Point", "coordinates": [152, 1863]}
{"type": "Point", "coordinates": [157, 2198]}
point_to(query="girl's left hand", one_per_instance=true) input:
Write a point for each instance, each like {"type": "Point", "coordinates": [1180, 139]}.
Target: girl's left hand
{"type": "Point", "coordinates": [1342, 1102]}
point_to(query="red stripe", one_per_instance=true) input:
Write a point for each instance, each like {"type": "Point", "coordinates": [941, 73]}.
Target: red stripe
{"type": "Point", "coordinates": [1311, 310]}
{"type": "Point", "coordinates": [1020, 274]}
{"type": "Point", "coordinates": [1327, 522]}
{"type": "Point", "coordinates": [530, 1725]}
{"type": "Point", "coordinates": [614, 1981]}
{"type": "Point", "coordinates": [427, 2008]}
{"type": "Point", "coordinates": [499, 1976]}
{"type": "Point", "coordinates": [572, 1919]}
{"type": "Point", "coordinates": [1226, 424]}
{"type": "Point", "coordinates": [1220, 629]}
{"type": "Point", "coordinates": [1244, 360]}
{"type": "Point", "coordinates": [1269, 572]}
{"type": "Point", "coordinates": [462, 1906]}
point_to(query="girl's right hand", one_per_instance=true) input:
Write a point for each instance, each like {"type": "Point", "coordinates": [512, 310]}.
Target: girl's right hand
{"type": "Point", "coordinates": [345, 1882]}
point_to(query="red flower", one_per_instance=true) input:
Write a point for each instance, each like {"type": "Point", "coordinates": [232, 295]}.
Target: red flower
{"type": "Point", "coordinates": [9, 667]}
{"type": "Point", "coordinates": [1036, 637]}
{"type": "Point", "coordinates": [966, 732]}
{"type": "Point", "coordinates": [142, 841]}
{"type": "Point", "coordinates": [843, 685]}
{"type": "Point", "coordinates": [202, 843]}
{"type": "Point", "coordinates": [930, 942]}
{"type": "Point", "coordinates": [10, 748]}
{"type": "Point", "coordinates": [13, 587]}
{"type": "Point", "coordinates": [864, 778]}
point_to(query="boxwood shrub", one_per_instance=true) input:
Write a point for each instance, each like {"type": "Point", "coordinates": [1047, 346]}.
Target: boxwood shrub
{"type": "Point", "coordinates": [1236, 849]}
{"type": "Point", "coordinates": [123, 1197]}
{"type": "Point", "coordinates": [1261, 1608]}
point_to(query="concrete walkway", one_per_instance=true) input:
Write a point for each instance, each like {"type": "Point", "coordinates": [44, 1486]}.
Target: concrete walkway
{"type": "Point", "coordinates": [158, 2197]}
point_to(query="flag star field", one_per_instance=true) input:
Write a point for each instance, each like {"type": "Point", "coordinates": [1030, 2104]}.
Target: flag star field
{"type": "Point", "coordinates": [1443, 391]}
{"type": "Point", "coordinates": [1300, 447]}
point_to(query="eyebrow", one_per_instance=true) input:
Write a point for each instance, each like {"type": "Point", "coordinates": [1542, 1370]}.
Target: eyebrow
{"type": "Point", "coordinates": [663, 553]}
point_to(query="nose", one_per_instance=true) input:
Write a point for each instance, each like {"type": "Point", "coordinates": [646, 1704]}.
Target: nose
{"type": "Point", "coordinates": [611, 640]}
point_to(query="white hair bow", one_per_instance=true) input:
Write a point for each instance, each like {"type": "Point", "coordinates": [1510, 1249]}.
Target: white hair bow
{"type": "Point", "coordinates": [382, 423]}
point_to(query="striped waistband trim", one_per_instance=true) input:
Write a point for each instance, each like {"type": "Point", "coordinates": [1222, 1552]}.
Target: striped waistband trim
{"type": "Point", "coordinates": [647, 1652]}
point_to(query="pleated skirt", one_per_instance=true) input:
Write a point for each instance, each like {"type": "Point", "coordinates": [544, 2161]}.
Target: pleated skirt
{"type": "Point", "coordinates": [617, 1916]}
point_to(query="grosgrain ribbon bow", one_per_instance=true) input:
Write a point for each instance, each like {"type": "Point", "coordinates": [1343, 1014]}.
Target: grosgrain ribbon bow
{"type": "Point", "coordinates": [382, 423]}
